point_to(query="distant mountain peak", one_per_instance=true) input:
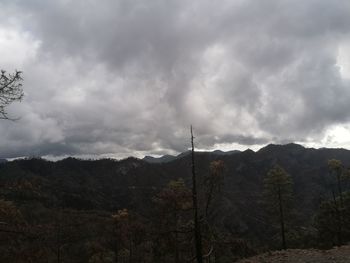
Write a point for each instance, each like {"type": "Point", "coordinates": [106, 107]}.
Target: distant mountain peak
{"type": "Point", "coordinates": [169, 158]}
{"type": "Point", "coordinates": [219, 152]}
{"type": "Point", "coordinates": [163, 159]}
{"type": "Point", "coordinates": [287, 146]}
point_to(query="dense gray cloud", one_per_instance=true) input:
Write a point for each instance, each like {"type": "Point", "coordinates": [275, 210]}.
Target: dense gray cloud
{"type": "Point", "coordinates": [116, 78]}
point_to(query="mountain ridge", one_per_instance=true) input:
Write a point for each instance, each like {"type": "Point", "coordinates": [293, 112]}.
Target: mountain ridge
{"type": "Point", "coordinates": [109, 185]}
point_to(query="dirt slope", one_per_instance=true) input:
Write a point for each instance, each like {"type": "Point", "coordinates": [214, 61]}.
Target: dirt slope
{"type": "Point", "coordinates": [335, 255]}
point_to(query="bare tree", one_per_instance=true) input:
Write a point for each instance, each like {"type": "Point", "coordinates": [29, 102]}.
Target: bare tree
{"type": "Point", "coordinates": [197, 227]}
{"type": "Point", "coordinates": [10, 91]}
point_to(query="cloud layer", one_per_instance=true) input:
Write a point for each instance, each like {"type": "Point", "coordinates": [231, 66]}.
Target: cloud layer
{"type": "Point", "coordinates": [116, 78]}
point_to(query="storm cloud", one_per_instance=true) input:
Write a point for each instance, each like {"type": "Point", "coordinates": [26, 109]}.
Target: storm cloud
{"type": "Point", "coordinates": [118, 78]}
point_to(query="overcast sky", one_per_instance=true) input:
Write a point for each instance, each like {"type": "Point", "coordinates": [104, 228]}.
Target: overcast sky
{"type": "Point", "coordinates": [112, 78]}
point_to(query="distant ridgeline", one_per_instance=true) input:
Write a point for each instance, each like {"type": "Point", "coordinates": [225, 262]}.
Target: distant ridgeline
{"type": "Point", "coordinates": [85, 193]}
{"type": "Point", "coordinates": [168, 158]}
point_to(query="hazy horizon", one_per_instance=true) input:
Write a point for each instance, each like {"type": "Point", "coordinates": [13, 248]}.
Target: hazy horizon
{"type": "Point", "coordinates": [117, 156]}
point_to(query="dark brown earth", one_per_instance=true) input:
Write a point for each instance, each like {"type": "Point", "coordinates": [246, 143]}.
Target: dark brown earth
{"type": "Point", "coordinates": [335, 255]}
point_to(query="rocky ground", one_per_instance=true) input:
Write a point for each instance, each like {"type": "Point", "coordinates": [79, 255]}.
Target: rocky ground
{"type": "Point", "coordinates": [335, 255]}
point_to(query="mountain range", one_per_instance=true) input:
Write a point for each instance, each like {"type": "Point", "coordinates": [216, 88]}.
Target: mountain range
{"type": "Point", "coordinates": [168, 158]}
{"type": "Point", "coordinates": [109, 185]}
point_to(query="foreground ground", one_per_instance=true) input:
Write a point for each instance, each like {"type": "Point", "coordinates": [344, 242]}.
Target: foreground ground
{"type": "Point", "coordinates": [335, 255]}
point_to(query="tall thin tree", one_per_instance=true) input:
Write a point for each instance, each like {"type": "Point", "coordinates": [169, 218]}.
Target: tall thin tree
{"type": "Point", "coordinates": [336, 170]}
{"type": "Point", "coordinates": [278, 195]}
{"type": "Point", "coordinates": [197, 227]}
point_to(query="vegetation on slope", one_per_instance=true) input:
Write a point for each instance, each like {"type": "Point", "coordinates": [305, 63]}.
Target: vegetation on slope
{"type": "Point", "coordinates": [106, 210]}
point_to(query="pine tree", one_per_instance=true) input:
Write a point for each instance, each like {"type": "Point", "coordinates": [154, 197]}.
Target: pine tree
{"type": "Point", "coordinates": [278, 195]}
{"type": "Point", "coordinates": [173, 202]}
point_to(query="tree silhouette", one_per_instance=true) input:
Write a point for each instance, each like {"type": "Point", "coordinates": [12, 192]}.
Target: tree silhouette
{"type": "Point", "coordinates": [213, 182]}
{"type": "Point", "coordinates": [173, 202]}
{"type": "Point", "coordinates": [197, 226]}
{"type": "Point", "coordinates": [278, 196]}
{"type": "Point", "coordinates": [10, 91]}
{"type": "Point", "coordinates": [335, 209]}
{"type": "Point", "coordinates": [336, 169]}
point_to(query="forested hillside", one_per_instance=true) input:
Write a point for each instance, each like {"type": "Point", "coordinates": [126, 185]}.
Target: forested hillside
{"type": "Point", "coordinates": [92, 210]}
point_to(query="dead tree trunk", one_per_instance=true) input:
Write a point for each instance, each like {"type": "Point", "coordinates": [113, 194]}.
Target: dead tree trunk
{"type": "Point", "coordinates": [197, 229]}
